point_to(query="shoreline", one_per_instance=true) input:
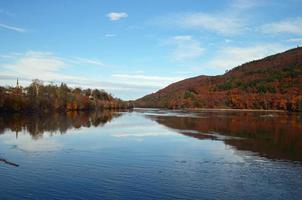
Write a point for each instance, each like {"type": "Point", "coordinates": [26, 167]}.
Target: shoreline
{"type": "Point", "coordinates": [63, 111]}
{"type": "Point", "coordinates": [233, 109]}
{"type": "Point", "coordinates": [219, 109]}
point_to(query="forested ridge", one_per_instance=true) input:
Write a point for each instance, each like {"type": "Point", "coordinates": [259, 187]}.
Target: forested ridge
{"type": "Point", "coordinates": [38, 97]}
{"type": "Point", "coordinates": [274, 82]}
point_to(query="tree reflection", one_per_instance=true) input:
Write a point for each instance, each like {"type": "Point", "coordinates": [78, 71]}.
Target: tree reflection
{"type": "Point", "coordinates": [54, 123]}
{"type": "Point", "coordinates": [275, 136]}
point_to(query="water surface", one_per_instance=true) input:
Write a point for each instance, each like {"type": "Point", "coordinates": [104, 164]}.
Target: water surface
{"type": "Point", "coordinates": [151, 154]}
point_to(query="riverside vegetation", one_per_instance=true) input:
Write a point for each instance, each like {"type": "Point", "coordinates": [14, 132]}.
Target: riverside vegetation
{"type": "Point", "coordinates": [40, 98]}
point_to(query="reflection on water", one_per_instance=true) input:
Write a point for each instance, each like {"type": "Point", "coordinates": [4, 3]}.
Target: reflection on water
{"type": "Point", "coordinates": [151, 154]}
{"type": "Point", "coordinates": [273, 135]}
{"type": "Point", "coordinates": [54, 123]}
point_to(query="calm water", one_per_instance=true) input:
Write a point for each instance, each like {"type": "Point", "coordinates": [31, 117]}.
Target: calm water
{"type": "Point", "coordinates": [151, 154]}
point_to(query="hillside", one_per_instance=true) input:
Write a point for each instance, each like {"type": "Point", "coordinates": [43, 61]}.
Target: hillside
{"type": "Point", "coordinates": [274, 82]}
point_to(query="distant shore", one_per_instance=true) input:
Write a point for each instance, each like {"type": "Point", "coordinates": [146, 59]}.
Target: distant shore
{"type": "Point", "coordinates": [233, 109]}
{"type": "Point", "coordinates": [218, 109]}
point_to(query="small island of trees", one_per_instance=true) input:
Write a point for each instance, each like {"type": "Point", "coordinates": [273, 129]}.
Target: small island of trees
{"type": "Point", "coordinates": [39, 97]}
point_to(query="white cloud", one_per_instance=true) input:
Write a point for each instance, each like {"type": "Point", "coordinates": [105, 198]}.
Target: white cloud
{"type": "Point", "coordinates": [229, 57]}
{"type": "Point", "coordinates": [115, 16]}
{"type": "Point", "coordinates": [33, 64]}
{"type": "Point", "coordinates": [219, 23]}
{"type": "Point", "coordinates": [127, 86]}
{"type": "Point", "coordinates": [79, 60]}
{"type": "Point", "coordinates": [156, 81]}
{"type": "Point", "coordinates": [44, 66]}
{"type": "Point", "coordinates": [233, 19]}
{"type": "Point", "coordinates": [109, 35]}
{"type": "Point", "coordinates": [291, 26]}
{"type": "Point", "coordinates": [146, 84]}
{"type": "Point", "coordinates": [9, 56]}
{"type": "Point", "coordinates": [145, 78]}
{"type": "Point", "coordinates": [185, 47]}
{"type": "Point", "coordinates": [12, 28]}
{"type": "Point", "coordinates": [298, 40]}
{"type": "Point", "coordinates": [51, 68]}
{"type": "Point", "coordinates": [245, 4]}
{"type": "Point", "coordinates": [139, 72]}
{"type": "Point", "coordinates": [7, 13]}
{"type": "Point", "coordinates": [38, 65]}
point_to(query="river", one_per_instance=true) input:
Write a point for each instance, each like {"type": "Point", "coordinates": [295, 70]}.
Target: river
{"type": "Point", "coordinates": [151, 154]}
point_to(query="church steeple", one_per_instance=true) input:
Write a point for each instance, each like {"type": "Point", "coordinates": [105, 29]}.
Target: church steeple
{"type": "Point", "coordinates": [18, 88]}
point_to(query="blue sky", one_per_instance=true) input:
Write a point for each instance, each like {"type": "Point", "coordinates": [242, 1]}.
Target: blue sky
{"type": "Point", "coordinates": [132, 48]}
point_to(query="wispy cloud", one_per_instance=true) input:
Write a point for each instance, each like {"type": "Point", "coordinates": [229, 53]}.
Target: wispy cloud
{"type": "Point", "coordinates": [232, 20]}
{"type": "Point", "coordinates": [79, 60]}
{"type": "Point", "coordinates": [245, 4]}
{"type": "Point", "coordinates": [9, 56]}
{"type": "Point", "coordinates": [115, 16]}
{"type": "Point", "coordinates": [145, 83]}
{"type": "Point", "coordinates": [34, 64]}
{"type": "Point", "coordinates": [291, 26]}
{"type": "Point", "coordinates": [145, 78]}
{"type": "Point", "coordinates": [219, 23]}
{"type": "Point", "coordinates": [42, 65]}
{"type": "Point", "coordinates": [110, 35]}
{"type": "Point", "coordinates": [297, 40]}
{"type": "Point", "coordinates": [7, 13]}
{"type": "Point", "coordinates": [12, 28]}
{"type": "Point", "coordinates": [185, 47]}
{"type": "Point", "coordinates": [52, 68]}
{"type": "Point", "coordinates": [229, 57]}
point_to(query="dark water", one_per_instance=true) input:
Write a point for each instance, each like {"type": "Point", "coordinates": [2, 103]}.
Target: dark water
{"type": "Point", "coordinates": [151, 154]}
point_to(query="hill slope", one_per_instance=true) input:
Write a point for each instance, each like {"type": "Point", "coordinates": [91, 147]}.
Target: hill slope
{"type": "Point", "coordinates": [274, 82]}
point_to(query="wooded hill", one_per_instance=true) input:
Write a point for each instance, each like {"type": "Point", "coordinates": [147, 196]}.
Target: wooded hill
{"type": "Point", "coordinates": [274, 82]}
{"type": "Point", "coordinates": [40, 98]}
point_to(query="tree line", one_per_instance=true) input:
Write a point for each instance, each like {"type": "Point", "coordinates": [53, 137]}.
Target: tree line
{"type": "Point", "coordinates": [38, 97]}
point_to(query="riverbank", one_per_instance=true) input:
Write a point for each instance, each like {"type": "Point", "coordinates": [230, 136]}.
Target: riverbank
{"type": "Point", "coordinates": [216, 109]}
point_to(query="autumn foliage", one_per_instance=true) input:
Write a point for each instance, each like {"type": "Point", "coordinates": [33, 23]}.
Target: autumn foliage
{"type": "Point", "coordinates": [274, 82]}
{"type": "Point", "coordinates": [38, 97]}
